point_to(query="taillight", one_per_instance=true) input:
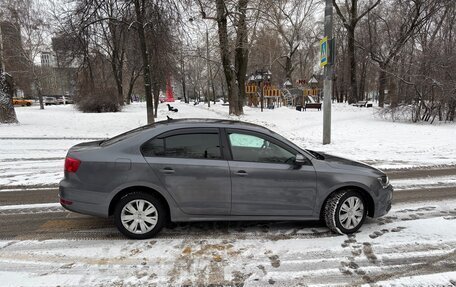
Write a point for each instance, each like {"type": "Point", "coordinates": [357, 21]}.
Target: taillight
{"type": "Point", "coordinates": [65, 202]}
{"type": "Point", "coordinates": [71, 164]}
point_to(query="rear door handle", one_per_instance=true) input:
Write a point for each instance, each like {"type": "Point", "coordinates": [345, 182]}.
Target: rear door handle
{"type": "Point", "coordinates": [241, 173]}
{"type": "Point", "coordinates": [167, 170]}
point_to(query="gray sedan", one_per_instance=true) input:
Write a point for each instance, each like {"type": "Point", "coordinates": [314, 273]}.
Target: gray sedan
{"type": "Point", "coordinates": [207, 170]}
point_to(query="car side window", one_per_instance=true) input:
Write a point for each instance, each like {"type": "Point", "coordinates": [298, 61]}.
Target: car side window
{"type": "Point", "coordinates": [246, 147]}
{"type": "Point", "coordinates": [189, 145]}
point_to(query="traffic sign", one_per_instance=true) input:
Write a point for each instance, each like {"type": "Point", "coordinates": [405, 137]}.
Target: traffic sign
{"type": "Point", "coordinates": [324, 51]}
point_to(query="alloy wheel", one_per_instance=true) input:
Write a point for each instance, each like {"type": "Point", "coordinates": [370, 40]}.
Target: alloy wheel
{"type": "Point", "coordinates": [351, 212]}
{"type": "Point", "coordinates": [139, 216]}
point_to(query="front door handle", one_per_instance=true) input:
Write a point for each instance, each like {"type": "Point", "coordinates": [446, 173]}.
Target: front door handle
{"type": "Point", "coordinates": [241, 173]}
{"type": "Point", "coordinates": [167, 170]}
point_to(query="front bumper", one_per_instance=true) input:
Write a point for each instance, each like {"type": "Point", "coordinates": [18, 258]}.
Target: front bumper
{"type": "Point", "coordinates": [384, 201]}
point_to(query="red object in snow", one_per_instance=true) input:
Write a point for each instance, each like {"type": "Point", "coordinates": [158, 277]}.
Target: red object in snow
{"type": "Point", "coordinates": [169, 91]}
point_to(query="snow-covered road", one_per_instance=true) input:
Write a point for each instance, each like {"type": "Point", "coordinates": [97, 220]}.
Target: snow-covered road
{"type": "Point", "coordinates": [414, 243]}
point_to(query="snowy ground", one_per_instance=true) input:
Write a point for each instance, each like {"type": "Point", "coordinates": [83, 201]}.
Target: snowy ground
{"type": "Point", "coordinates": [32, 152]}
{"type": "Point", "coordinates": [414, 245]}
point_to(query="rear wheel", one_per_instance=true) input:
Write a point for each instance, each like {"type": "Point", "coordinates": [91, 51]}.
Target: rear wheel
{"type": "Point", "coordinates": [345, 211]}
{"type": "Point", "coordinates": [139, 215]}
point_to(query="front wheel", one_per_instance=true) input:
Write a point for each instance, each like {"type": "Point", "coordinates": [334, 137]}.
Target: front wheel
{"type": "Point", "coordinates": [139, 215]}
{"type": "Point", "coordinates": [345, 212]}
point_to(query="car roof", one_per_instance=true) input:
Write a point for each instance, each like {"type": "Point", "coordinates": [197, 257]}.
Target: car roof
{"type": "Point", "coordinates": [168, 125]}
{"type": "Point", "coordinates": [196, 122]}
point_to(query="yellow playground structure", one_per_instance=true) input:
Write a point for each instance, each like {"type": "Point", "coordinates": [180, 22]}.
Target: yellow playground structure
{"type": "Point", "coordinates": [275, 97]}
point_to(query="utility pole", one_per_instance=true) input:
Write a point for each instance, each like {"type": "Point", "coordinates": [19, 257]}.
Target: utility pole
{"type": "Point", "coordinates": [208, 67]}
{"type": "Point", "coordinates": [327, 85]}
{"type": "Point", "coordinates": [1, 51]}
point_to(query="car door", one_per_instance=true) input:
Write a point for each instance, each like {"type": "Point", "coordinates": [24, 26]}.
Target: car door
{"type": "Point", "coordinates": [190, 165]}
{"type": "Point", "coordinates": [265, 181]}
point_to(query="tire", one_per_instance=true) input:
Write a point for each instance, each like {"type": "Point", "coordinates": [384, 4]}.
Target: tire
{"type": "Point", "coordinates": [134, 225]}
{"type": "Point", "coordinates": [341, 203]}
{"type": "Point", "coordinates": [29, 104]}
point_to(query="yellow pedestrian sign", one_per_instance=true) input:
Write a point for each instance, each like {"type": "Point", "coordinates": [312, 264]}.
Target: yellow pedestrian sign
{"type": "Point", "coordinates": [324, 51]}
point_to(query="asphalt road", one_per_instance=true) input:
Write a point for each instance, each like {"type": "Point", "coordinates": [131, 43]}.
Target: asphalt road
{"type": "Point", "coordinates": [56, 223]}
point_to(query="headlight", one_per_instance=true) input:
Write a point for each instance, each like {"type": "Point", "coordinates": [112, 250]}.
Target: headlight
{"type": "Point", "coordinates": [384, 181]}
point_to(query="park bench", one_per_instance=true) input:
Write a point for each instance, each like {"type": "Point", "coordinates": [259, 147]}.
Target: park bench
{"type": "Point", "coordinates": [312, 106]}
{"type": "Point", "coordinates": [360, 104]}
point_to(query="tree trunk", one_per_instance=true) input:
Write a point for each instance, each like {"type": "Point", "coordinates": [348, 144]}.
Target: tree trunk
{"type": "Point", "coordinates": [225, 57]}
{"type": "Point", "coordinates": [139, 10]}
{"type": "Point", "coordinates": [451, 110]}
{"type": "Point", "coordinates": [381, 85]}
{"type": "Point", "coordinates": [184, 89]}
{"type": "Point", "coordinates": [156, 92]}
{"type": "Point", "coordinates": [288, 68]}
{"type": "Point", "coordinates": [38, 90]}
{"type": "Point", "coordinates": [241, 55]}
{"type": "Point", "coordinates": [362, 82]}
{"type": "Point", "coordinates": [353, 95]}
{"type": "Point", "coordinates": [131, 85]}
{"type": "Point", "coordinates": [117, 71]}
{"type": "Point", "coordinates": [7, 112]}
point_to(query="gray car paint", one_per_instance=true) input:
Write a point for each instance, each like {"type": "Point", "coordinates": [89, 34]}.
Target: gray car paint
{"type": "Point", "coordinates": [208, 189]}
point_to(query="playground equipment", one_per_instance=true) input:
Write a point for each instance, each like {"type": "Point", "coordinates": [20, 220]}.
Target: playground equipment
{"type": "Point", "coordinates": [275, 97]}
{"type": "Point", "coordinates": [271, 95]}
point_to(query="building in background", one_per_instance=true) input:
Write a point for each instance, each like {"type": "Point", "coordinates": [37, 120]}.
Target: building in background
{"type": "Point", "coordinates": [59, 67]}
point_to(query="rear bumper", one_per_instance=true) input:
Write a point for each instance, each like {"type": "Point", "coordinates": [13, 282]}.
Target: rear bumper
{"type": "Point", "coordinates": [82, 201]}
{"type": "Point", "coordinates": [384, 201]}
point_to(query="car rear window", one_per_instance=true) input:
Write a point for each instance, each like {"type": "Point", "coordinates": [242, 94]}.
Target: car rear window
{"type": "Point", "coordinates": [125, 135]}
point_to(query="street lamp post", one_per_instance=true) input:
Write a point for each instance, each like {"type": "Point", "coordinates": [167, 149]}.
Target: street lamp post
{"type": "Point", "coordinates": [208, 67]}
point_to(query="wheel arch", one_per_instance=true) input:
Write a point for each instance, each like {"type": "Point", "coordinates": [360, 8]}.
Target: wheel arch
{"type": "Point", "coordinates": [130, 189]}
{"type": "Point", "coordinates": [364, 193]}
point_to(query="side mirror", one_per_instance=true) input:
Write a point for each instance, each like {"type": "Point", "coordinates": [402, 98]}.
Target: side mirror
{"type": "Point", "coordinates": [300, 159]}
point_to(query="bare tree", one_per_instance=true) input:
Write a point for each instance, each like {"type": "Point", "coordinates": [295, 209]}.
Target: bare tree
{"type": "Point", "coordinates": [234, 12]}
{"type": "Point", "coordinates": [390, 28]}
{"type": "Point", "coordinates": [290, 18]}
{"type": "Point", "coordinates": [350, 19]}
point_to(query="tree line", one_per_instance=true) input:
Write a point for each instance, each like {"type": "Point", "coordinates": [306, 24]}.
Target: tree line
{"type": "Point", "coordinates": [400, 52]}
{"type": "Point", "coordinates": [395, 52]}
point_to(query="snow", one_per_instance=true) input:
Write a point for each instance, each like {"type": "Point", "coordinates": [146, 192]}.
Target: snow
{"type": "Point", "coordinates": [29, 206]}
{"type": "Point", "coordinates": [402, 254]}
{"type": "Point", "coordinates": [32, 152]}
{"type": "Point", "coordinates": [427, 182]}
{"type": "Point", "coordinates": [440, 279]}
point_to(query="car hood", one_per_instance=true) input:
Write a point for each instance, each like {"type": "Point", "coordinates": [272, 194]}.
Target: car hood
{"type": "Point", "coordinates": [344, 163]}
